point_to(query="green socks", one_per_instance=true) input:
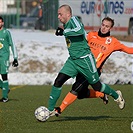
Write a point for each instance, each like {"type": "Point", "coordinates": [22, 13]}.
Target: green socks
{"type": "Point", "coordinates": [54, 95]}
{"type": "Point", "coordinates": [5, 88]}
{"type": "Point", "coordinates": [109, 91]}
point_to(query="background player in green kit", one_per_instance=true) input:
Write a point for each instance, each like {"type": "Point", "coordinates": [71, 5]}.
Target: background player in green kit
{"type": "Point", "coordinates": [5, 44]}
{"type": "Point", "coordinates": [80, 60]}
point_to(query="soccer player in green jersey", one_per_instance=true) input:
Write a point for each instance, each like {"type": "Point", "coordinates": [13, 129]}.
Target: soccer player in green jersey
{"type": "Point", "coordinates": [5, 44]}
{"type": "Point", "coordinates": [81, 60]}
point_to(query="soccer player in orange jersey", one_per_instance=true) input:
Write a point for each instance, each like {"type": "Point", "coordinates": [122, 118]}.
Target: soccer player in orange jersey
{"type": "Point", "coordinates": [102, 46]}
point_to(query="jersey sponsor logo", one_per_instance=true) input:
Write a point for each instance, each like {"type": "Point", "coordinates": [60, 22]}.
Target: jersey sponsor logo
{"type": "Point", "coordinates": [68, 42]}
{"type": "Point", "coordinates": [1, 45]}
{"type": "Point", "coordinates": [108, 40]}
{"type": "Point", "coordinates": [95, 45]}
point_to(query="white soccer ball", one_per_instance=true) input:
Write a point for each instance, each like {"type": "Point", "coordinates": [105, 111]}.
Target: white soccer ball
{"type": "Point", "coordinates": [42, 113]}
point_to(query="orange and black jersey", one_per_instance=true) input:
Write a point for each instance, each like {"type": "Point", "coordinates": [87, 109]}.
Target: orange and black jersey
{"type": "Point", "coordinates": [102, 47]}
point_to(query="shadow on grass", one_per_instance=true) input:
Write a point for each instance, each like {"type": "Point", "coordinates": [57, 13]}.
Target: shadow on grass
{"type": "Point", "coordinates": [71, 118]}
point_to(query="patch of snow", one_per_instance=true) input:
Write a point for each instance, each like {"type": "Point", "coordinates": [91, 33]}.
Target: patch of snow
{"type": "Point", "coordinates": [46, 47]}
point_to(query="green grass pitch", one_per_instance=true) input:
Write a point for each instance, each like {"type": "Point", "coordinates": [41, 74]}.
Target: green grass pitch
{"type": "Point", "coordinates": [83, 116]}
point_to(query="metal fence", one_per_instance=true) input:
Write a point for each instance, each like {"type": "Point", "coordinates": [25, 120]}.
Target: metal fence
{"type": "Point", "coordinates": [38, 14]}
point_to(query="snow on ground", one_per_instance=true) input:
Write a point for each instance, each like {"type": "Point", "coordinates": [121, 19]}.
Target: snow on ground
{"type": "Point", "coordinates": [42, 54]}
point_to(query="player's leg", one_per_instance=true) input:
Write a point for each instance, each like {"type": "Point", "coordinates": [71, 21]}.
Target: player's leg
{"type": "Point", "coordinates": [4, 74]}
{"type": "Point", "coordinates": [73, 94]}
{"type": "Point", "coordinates": [91, 74]}
{"type": "Point", "coordinates": [81, 87]}
{"type": "Point", "coordinates": [79, 90]}
{"type": "Point", "coordinates": [68, 100]}
{"type": "Point", "coordinates": [5, 88]}
{"type": "Point", "coordinates": [117, 95]}
{"type": "Point", "coordinates": [68, 70]}
{"type": "Point", "coordinates": [56, 90]}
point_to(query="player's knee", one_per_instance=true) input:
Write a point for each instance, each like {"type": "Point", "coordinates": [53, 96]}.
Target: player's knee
{"type": "Point", "coordinates": [58, 83]}
{"type": "Point", "coordinates": [97, 86]}
{"type": "Point", "coordinates": [81, 90]}
{"type": "Point", "coordinates": [75, 88]}
{"type": "Point", "coordinates": [61, 79]}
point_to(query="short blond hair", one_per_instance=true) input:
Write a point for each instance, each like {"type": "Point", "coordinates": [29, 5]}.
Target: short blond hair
{"type": "Point", "coordinates": [67, 7]}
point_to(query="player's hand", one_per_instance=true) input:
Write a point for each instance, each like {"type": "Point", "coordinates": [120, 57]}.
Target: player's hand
{"type": "Point", "coordinates": [59, 32]}
{"type": "Point", "coordinates": [15, 63]}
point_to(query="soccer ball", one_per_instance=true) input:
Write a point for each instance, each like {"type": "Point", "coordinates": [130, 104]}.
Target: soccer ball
{"type": "Point", "coordinates": [42, 113]}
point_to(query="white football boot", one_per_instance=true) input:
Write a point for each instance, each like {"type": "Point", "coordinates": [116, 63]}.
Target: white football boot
{"type": "Point", "coordinates": [120, 101]}
{"type": "Point", "coordinates": [56, 112]}
{"type": "Point", "coordinates": [52, 113]}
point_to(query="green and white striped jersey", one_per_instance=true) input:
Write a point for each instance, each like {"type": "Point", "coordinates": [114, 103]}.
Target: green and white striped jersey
{"type": "Point", "coordinates": [5, 44]}
{"type": "Point", "coordinates": [75, 36]}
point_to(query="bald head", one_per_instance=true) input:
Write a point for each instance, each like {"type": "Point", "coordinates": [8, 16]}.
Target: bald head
{"type": "Point", "coordinates": [67, 8]}
{"type": "Point", "coordinates": [64, 13]}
